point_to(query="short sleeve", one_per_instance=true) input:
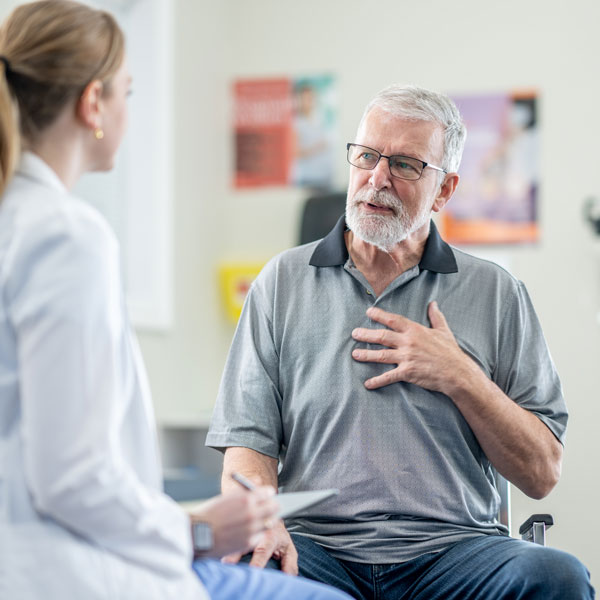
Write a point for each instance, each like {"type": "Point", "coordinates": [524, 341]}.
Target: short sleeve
{"type": "Point", "coordinates": [525, 370]}
{"type": "Point", "coordinates": [248, 407]}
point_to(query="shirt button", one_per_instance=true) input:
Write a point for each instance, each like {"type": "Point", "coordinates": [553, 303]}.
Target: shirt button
{"type": "Point", "coordinates": [368, 292]}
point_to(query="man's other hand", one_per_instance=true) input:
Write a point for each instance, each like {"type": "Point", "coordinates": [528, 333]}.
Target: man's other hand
{"type": "Point", "coordinates": [274, 543]}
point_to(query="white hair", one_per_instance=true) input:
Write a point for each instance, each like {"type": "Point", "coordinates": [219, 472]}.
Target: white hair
{"type": "Point", "coordinates": [418, 104]}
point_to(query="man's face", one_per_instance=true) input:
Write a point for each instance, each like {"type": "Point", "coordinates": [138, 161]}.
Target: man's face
{"type": "Point", "coordinates": [384, 210]}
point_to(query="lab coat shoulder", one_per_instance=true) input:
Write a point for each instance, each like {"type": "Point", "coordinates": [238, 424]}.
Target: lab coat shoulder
{"type": "Point", "coordinates": [54, 246]}
{"type": "Point", "coordinates": [42, 211]}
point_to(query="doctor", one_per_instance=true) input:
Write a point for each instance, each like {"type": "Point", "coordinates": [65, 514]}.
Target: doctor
{"type": "Point", "coordinates": [82, 514]}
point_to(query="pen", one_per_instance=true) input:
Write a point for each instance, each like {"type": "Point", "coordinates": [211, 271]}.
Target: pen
{"type": "Point", "coordinates": [243, 481]}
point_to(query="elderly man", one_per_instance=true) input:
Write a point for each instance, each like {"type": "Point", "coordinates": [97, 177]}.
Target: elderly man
{"type": "Point", "coordinates": [404, 372]}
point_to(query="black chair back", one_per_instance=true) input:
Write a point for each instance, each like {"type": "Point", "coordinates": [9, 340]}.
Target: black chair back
{"type": "Point", "coordinates": [320, 214]}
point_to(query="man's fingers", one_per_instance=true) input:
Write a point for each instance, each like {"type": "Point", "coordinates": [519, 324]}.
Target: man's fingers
{"type": "Point", "coordinates": [436, 316]}
{"type": "Point", "coordinates": [383, 337]}
{"type": "Point", "coordinates": [379, 356]}
{"type": "Point", "coordinates": [391, 320]}
{"type": "Point", "coordinates": [262, 553]}
{"type": "Point", "coordinates": [289, 560]}
{"type": "Point", "coordinates": [399, 323]}
{"type": "Point", "coordinates": [382, 380]}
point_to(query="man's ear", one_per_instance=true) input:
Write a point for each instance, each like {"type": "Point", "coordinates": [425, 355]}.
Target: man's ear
{"type": "Point", "coordinates": [89, 105]}
{"type": "Point", "coordinates": [446, 191]}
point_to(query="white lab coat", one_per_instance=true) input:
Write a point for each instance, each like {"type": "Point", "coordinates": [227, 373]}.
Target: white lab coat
{"type": "Point", "coordinates": [81, 511]}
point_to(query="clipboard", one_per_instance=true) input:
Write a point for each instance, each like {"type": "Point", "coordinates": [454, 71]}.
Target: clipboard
{"type": "Point", "coordinates": [291, 503]}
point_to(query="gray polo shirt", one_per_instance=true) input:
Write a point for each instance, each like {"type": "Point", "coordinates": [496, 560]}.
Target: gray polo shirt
{"type": "Point", "coordinates": [411, 473]}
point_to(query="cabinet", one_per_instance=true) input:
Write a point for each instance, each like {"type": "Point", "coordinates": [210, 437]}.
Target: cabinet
{"type": "Point", "coordinates": [191, 470]}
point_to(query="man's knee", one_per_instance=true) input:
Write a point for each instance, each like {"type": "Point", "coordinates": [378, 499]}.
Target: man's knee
{"type": "Point", "coordinates": [550, 573]}
{"type": "Point", "coordinates": [314, 562]}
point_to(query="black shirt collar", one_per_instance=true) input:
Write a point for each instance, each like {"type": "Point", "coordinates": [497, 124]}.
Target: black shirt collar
{"type": "Point", "coordinates": [332, 251]}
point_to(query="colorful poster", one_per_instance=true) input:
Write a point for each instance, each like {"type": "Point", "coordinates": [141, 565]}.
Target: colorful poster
{"type": "Point", "coordinates": [496, 199]}
{"type": "Point", "coordinates": [284, 132]}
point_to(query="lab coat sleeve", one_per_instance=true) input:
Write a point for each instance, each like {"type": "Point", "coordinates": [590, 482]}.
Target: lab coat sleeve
{"type": "Point", "coordinates": [75, 371]}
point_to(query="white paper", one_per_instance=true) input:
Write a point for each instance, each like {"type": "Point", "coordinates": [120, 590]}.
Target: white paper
{"type": "Point", "coordinates": [293, 502]}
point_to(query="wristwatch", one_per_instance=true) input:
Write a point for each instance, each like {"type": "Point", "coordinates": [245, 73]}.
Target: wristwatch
{"type": "Point", "coordinates": [202, 536]}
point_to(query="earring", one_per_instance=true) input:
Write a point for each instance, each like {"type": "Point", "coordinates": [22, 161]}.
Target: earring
{"type": "Point", "coordinates": [98, 133]}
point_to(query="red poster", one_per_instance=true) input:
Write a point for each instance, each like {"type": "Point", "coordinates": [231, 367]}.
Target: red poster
{"type": "Point", "coordinates": [263, 132]}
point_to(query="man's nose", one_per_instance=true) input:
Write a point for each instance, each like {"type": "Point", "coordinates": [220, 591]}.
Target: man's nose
{"type": "Point", "coordinates": [380, 175]}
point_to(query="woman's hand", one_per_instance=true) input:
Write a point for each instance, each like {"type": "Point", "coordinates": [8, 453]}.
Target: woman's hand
{"type": "Point", "coordinates": [238, 519]}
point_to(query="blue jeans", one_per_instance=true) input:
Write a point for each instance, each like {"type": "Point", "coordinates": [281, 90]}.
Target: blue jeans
{"type": "Point", "coordinates": [482, 568]}
{"type": "Point", "coordinates": [240, 582]}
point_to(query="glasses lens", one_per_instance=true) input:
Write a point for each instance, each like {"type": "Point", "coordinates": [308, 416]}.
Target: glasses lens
{"type": "Point", "coordinates": [362, 157]}
{"type": "Point", "coordinates": [405, 167]}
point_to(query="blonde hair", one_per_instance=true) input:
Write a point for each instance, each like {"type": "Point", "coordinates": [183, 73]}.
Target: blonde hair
{"type": "Point", "coordinates": [50, 51]}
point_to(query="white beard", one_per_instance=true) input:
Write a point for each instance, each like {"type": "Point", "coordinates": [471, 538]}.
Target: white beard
{"type": "Point", "coordinates": [382, 231]}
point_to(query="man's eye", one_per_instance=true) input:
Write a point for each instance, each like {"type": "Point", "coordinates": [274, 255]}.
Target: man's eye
{"type": "Point", "coordinates": [403, 165]}
{"type": "Point", "coordinates": [367, 156]}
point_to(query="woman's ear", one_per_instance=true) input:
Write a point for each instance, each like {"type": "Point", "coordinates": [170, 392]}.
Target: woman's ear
{"type": "Point", "coordinates": [89, 105]}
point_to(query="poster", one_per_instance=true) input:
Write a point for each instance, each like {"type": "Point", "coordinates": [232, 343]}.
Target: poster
{"type": "Point", "coordinates": [496, 199]}
{"type": "Point", "coordinates": [285, 132]}
{"type": "Point", "coordinates": [235, 280]}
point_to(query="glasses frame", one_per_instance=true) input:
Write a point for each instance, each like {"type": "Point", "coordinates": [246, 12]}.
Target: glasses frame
{"type": "Point", "coordinates": [425, 164]}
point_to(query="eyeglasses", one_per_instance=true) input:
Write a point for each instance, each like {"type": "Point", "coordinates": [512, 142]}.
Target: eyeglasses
{"type": "Point", "coordinates": [403, 167]}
